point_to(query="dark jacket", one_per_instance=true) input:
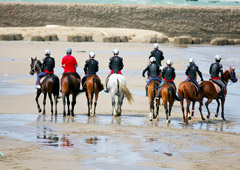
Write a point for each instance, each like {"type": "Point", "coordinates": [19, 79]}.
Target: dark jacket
{"type": "Point", "coordinates": [192, 70]}
{"type": "Point", "coordinates": [215, 69]}
{"type": "Point", "coordinates": [116, 64]}
{"type": "Point", "coordinates": [153, 70]}
{"type": "Point", "coordinates": [48, 64]}
{"type": "Point", "coordinates": [168, 73]}
{"type": "Point", "coordinates": [158, 55]}
{"type": "Point", "coordinates": [91, 66]}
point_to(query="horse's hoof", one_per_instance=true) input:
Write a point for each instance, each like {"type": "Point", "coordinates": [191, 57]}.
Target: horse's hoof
{"type": "Point", "coordinates": [189, 118]}
{"type": "Point", "coordinates": [157, 118]}
{"type": "Point", "coordinates": [216, 115]}
{"type": "Point", "coordinates": [203, 118]}
{"type": "Point", "coordinates": [150, 119]}
{"type": "Point", "coordinates": [39, 110]}
{"type": "Point", "coordinates": [223, 119]}
{"type": "Point", "coordinates": [208, 116]}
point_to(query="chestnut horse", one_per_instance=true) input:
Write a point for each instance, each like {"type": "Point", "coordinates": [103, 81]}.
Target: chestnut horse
{"type": "Point", "coordinates": [93, 86]}
{"type": "Point", "coordinates": [152, 93]}
{"type": "Point", "coordinates": [50, 85]}
{"type": "Point", "coordinates": [167, 94]}
{"type": "Point", "coordinates": [210, 92]}
{"type": "Point", "coordinates": [69, 85]}
{"type": "Point", "coordinates": [187, 90]}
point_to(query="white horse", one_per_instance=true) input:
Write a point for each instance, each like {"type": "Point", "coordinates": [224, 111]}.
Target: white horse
{"type": "Point", "coordinates": [117, 87]}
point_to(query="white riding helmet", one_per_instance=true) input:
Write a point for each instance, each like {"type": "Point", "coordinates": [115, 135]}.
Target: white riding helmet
{"type": "Point", "coordinates": [156, 46]}
{"type": "Point", "coordinates": [218, 58]}
{"type": "Point", "coordinates": [169, 62]}
{"type": "Point", "coordinates": [92, 54]}
{"type": "Point", "coordinates": [47, 52]}
{"type": "Point", "coordinates": [152, 59]}
{"type": "Point", "coordinates": [191, 60]}
{"type": "Point", "coordinates": [69, 51]}
{"type": "Point", "coordinates": [116, 51]}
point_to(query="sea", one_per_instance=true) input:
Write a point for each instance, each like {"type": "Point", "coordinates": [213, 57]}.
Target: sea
{"type": "Point", "coordinates": [143, 2]}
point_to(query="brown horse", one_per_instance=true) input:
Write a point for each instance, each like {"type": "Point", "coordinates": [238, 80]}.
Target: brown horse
{"type": "Point", "coordinates": [167, 94]}
{"type": "Point", "coordinates": [69, 85]}
{"type": "Point", "coordinates": [188, 91]}
{"type": "Point", "coordinates": [152, 93]}
{"type": "Point", "coordinates": [50, 85]}
{"type": "Point", "coordinates": [93, 86]}
{"type": "Point", "coordinates": [209, 91]}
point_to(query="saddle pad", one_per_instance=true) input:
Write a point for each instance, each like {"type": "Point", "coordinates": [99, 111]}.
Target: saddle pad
{"type": "Point", "coordinates": [42, 79]}
{"type": "Point", "coordinates": [217, 88]}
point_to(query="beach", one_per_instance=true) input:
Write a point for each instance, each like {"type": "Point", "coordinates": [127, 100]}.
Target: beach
{"type": "Point", "coordinates": [30, 140]}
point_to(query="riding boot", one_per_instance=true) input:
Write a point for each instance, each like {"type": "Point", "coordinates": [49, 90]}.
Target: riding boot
{"type": "Point", "coordinates": [221, 95]}
{"type": "Point", "coordinates": [146, 88]}
{"type": "Point", "coordinates": [158, 93]}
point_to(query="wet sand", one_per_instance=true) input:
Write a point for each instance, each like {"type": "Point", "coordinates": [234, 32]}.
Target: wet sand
{"type": "Point", "coordinates": [32, 141]}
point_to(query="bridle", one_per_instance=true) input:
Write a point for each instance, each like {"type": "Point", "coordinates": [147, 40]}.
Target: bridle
{"type": "Point", "coordinates": [233, 76]}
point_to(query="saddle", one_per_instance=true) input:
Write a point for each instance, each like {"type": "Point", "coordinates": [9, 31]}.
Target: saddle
{"type": "Point", "coordinates": [216, 86]}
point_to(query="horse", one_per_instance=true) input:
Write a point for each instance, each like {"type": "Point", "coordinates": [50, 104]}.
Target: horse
{"type": "Point", "coordinates": [69, 86]}
{"type": "Point", "coordinates": [152, 93]}
{"type": "Point", "coordinates": [50, 86]}
{"type": "Point", "coordinates": [188, 90]}
{"type": "Point", "coordinates": [210, 92]}
{"type": "Point", "coordinates": [117, 87]}
{"type": "Point", "coordinates": [167, 94]}
{"type": "Point", "coordinates": [93, 86]}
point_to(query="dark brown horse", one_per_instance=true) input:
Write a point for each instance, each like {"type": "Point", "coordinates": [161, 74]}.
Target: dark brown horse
{"type": "Point", "coordinates": [187, 90]}
{"type": "Point", "coordinates": [93, 86]}
{"type": "Point", "coordinates": [69, 86]}
{"type": "Point", "coordinates": [167, 93]}
{"type": "Point", "coordinates": [209, 91]}
{"type": "Point", "coordinates": [50, 85]}
{"type": "Point", "coordinates": [152, 93]}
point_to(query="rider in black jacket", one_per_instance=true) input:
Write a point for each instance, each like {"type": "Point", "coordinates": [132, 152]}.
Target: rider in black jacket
{"type": "Point", "coordinates": [214, 71]}
{"type": "Point", "coordinates": [47, 67]}
{"type": "Point", "coordinates": [91, 67]}
{"type": "Point", "coordinates": [192, 71]}
{"type": "Point", "coordinates": [153, 70]}
{"type": "Point", "coordinates": [168, 75]}
{"type": "Point", "coordinates": [158, 54]}
{"type": "Point", "coordinates": [115, 65]}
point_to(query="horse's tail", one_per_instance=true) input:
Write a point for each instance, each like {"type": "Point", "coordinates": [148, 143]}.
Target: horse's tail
{"type": "Point", "coordinates": [127, 93]}
{"type": "Point", "coordinates": [71, 85]}
{"type": "Point", "coordinates": [56, 86]}
{"type": "Point", "coordinates": [171, 91]}
{"type": "Point", "coordinates": [99, 85]}
{"type": "Point", "coordinates": [94, 82]}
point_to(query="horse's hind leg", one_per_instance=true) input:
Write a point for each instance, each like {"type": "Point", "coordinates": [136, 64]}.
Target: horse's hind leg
{"type": "Point", "coordinates": [206, 104]}
{"type": "Point", "coordinates": [44, 103]}
{"type": "Point", "coordinates": [56, 101]}
{"type": "Point", "coordinates": [223, 101]}
{"type": "Point", "coordinates": [119, 107]}
{"type": "Point", "coordinates": [90, 104]}
{"type": "Point", "coordinates": [114, 113]}
{"type": "Point", "coordinates": [51, 102]}
{"type": "Point", "coordinates": [73, 103]}
{"type": "Point", "coordinates": [200, 110]}
{"type": "Point", "coordinates": [37, 96]}
{"type": "Point", "coordinates": [170, 110]}
{"type": "Point", "coordinates": [188, 110]}
{"type": "Point", "coordinates": [68, 105]}
{"type": "Point", "coordinates": [192, 112]}
{"type": "Point", "coordinates": [95, 103]}
{"type": "Point", "coordinates": [64, 104]}
{"type": "Point", "coordinates": [218, 105]}
{"type": "Point", "coordinates": [182, 107]}
{"type": "Point", "coordinates": [166, 111]}
{"type": "Point", "coordinates": [157, 107]}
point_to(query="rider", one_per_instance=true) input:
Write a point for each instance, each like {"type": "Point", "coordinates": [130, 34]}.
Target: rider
{"type": "Point", "coordinates": [214, 71]}
{"type": "Point", "coordinates": [158, 54]}
{"type": "Point", "coordinates": [168, 75]}
{"type": "Point", "coordinates": [47, 67]}
{"type": "Point", "coordinates": [115, 65]}
{"type": "Point", "coordinates": [192, 71]}
{"type": "Point", "coordinates": [70, 64]}
{"type": "Point", "coordinates": [153, 70]}
{"type": "Point", "coordinates": [90, 68]}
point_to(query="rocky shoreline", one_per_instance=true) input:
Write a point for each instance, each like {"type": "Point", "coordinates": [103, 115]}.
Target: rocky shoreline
{"type": "Point", "coordinates": [202, 22]}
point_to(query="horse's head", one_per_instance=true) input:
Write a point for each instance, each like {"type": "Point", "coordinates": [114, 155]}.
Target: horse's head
{"type": "Point", "coordinates": [233, 76]}
{"type": "Point", "coordinates": [35, 66]}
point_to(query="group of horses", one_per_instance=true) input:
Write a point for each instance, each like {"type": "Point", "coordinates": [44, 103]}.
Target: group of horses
{"type": "Point", "coordinates": [188, 91]}
{"type": "Point", "coordinates": [50, 85]}
{"type": "Point", "coordinates": [117, 87]}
